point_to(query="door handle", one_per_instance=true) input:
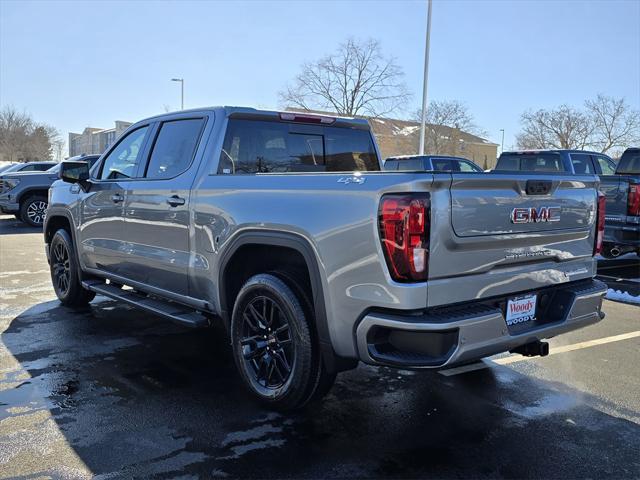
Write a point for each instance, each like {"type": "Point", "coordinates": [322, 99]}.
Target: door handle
{"type": "Point", "coordinates": [117, 198]}
{"type": "Point", "coordinates": [175, 200]}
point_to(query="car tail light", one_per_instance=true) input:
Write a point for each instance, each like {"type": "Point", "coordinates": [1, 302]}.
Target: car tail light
{"type": "Point", "coordinates": [597, 248]}
{"type": "Point", "coordinates": [404, 231]}
{"type": "Point", "coordinates": [633, 200]}
{"type": "Point", "coordinates": [297, 117]}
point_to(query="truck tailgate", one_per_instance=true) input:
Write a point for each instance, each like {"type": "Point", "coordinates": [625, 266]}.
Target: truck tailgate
{"type": "Point", "coordinates": [494, 234]}
{"type": "Point", "coordinates": [499, 205]}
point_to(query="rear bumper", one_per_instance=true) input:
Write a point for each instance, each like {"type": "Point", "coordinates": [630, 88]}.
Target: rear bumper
{"type": "Point", "coordinates": [451, 336]}
{"type": "Point", "coordinates": [623, 234]}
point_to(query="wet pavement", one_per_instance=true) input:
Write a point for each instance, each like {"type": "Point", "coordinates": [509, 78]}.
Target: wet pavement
{"type": "Point", "coordinates": [116, 393]}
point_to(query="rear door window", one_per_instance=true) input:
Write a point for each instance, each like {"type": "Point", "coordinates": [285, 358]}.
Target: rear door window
{"type": "Point", "coordinates": [174, 147]}
{"type": "Point", "coordinates": [607, 167]}
{"type": "Point", "coordinates": [254, 146]}
{"type": "Point", "coordinates": [582, 163]}
{"type": "Point", "coordinates": [444, 165]}
{"type": "Point", "coordinates": [468, 166]}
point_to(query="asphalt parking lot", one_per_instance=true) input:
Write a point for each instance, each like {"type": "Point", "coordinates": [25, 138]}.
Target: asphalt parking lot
{"type": "Point", "coordinates": [116, 393]}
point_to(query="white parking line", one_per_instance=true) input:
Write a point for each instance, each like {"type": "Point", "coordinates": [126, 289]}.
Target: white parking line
{"type": "Point", "coordinates": [553, 351]}
{"type": "Point", "coordinates": [574, 346]}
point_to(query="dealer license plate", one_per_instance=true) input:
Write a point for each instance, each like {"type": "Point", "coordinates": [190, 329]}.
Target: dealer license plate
{"type": "Point", "coordinates": [521, 309]}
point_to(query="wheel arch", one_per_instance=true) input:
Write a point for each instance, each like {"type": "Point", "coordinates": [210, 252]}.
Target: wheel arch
{"type": "Point", "coordinates": [60, 218]}
{"type": "Point", "coordinates": [302, 246]}
{"type": "Point", "coordinates": [30, 192]}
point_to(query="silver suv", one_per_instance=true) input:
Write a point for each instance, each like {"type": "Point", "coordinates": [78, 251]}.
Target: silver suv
{"type": "Point", "coordinates": [282, 227]}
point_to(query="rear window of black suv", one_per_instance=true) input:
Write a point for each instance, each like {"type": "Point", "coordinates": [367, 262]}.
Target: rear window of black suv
{"type": "Point", "coordinates": [530, 162]}
{"type": "Point", "coordinates": [629, 162]}
{"type": "Point", "coordinates": [256, 146]}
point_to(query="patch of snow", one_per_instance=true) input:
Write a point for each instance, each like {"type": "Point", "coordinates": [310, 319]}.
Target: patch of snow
{"type": "Point", "coordinates": [406, 131]}
{"type": "Point", "coordinates": [619, 296]}
{"type": "Point", "coordinates": [378, 120]}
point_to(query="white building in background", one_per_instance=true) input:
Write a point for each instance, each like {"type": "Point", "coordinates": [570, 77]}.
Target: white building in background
{"type": "Point", "coordinates": [95, 140]}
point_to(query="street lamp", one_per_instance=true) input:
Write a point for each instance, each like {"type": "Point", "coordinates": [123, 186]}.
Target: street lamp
{"type": "Point", "coordinates": [181, 80]}
{"type": "Point", "coordinates": [502, 145]}
{"type": "Point", "coordinates": [423, 122]}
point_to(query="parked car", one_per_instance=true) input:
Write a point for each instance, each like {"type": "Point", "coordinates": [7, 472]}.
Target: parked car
{"type": "Point", "coordinates": [622, 189]}
{"type": "Point", "coordinates": [29, 167]}
{"type": "Point", "coordinates": [7, 166]}
{"type": "Point", "coordinates": [281, 226]}
{"type": "Point", "coordinates": [24, 193]}
{"type": "Point", "coordinates": [577, 162]}
{"type": "Point", "coordinates": [432, 163]}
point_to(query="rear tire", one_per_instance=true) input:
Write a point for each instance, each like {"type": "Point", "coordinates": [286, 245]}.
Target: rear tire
{"type": "Point", "coordinates": [324, 379]}
{"type": "Point", "coordinates": [33, 210]}
{"type": "Point", "coordinates": [274, 346]}
{"type": "Point", "coordinates": [65, 272]}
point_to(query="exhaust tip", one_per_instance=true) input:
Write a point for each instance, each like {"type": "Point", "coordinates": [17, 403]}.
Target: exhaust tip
{"type": "Point", "coordinates": [533, 349]}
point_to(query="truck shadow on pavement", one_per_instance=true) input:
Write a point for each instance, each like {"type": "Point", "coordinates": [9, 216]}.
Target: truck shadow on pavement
{"type": "Point", "coordinates": [9, 225]}
{"type": "Point", "coordinates": [134, 396]}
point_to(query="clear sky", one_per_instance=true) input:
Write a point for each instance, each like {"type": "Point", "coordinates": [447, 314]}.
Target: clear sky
{"type": "Point", "coordinates": [77, 64]}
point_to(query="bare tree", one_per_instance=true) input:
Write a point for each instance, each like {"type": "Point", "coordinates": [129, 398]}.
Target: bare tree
{"type": "Point", "coordinates": [446, 121]}
{"type": "Point", "coordinates": [355, 80]}
{"type": "Point", "coordinates": [563, 127]}
{"type": "Point", "coordinates": [22, 139]}
{"type": "Point", "coordinates": [615, 124]}
{"type": "Point", "coordinates": [606, 124]}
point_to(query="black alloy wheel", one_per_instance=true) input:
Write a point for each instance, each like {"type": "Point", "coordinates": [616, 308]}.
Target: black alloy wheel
{"type": "Point", "coordinates": [65, 272]}
{"type": "Point", "coordinates": [267, 346]}
{"type": "Point", "coordinates": [60, 268]}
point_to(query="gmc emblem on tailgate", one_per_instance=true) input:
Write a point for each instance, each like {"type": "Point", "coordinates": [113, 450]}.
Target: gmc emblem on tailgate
{"type": "Point", "coordinates": [535, 215]}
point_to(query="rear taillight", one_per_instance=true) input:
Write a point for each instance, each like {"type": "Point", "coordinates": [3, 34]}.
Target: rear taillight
{"type": "Point", "coordinates": [597, 248]}
{"type": "Point", "coordinates": [404, 232]}
{"type": "Point", "coordinates": [633, 200]}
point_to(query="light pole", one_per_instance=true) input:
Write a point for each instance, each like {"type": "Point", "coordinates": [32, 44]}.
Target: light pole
{"type": "Point", "coordinates": [181, 80]}
{"type": "Point", "coordinates": [502, 144]}
{"type": "Point", "coordinates": [424, 81]}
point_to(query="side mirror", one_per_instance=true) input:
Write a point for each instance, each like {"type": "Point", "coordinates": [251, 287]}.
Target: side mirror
{"type": "Point", "coordinates": [75, 172]}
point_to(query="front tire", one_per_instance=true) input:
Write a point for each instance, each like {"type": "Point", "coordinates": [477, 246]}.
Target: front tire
{"type": "Point", "coordinates": [65, 272]}
{"type": "Point", "coordinates": [33, 210]}
{"type": "Point", "coordinates": [273, 344]}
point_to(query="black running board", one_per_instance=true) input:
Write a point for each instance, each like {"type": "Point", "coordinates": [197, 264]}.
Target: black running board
{"type": "Point", "coordinates": [170, 310]}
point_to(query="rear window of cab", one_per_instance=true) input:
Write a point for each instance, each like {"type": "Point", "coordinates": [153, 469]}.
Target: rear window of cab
{"type": "Point", "coordinates": [531, 162]}
{"type": "Point", "coordinates": [257, 146]}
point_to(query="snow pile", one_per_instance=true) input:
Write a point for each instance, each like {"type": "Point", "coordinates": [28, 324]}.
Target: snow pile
{"type": "Point", "coordinates": [619, 296]}
{"type": "Point", "coordinates": [406, 131]}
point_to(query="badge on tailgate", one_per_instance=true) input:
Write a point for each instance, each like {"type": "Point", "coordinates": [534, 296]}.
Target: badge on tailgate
{"type": "Point", "coordinates": [521, 309]}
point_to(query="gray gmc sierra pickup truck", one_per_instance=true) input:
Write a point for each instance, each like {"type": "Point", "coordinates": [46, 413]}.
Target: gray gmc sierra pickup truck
{"type": "Point", "coordinates": [282, 226]}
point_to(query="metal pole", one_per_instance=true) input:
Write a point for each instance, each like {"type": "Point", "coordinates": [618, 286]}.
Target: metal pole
{"type": "Point", "coordinates": [502, 145]}
{"type": "Point", "coordinates": [181, 80]}
{"type": "Point", "coordinates": [426, 77]}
